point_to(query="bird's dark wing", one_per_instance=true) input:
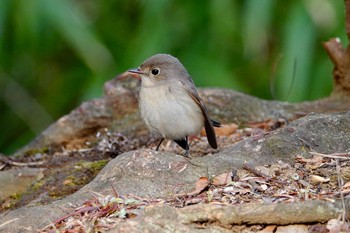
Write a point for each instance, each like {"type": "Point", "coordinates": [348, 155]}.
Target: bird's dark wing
{"type": "Point", "coordinates": [191, 90]}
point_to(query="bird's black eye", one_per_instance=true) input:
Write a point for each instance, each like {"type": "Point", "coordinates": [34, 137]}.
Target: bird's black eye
{"type": "Point", "coordinates": [155, 71]}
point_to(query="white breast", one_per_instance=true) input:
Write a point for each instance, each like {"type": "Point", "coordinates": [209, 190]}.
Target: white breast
{"type": "Point", "coordinates": [170, 111]}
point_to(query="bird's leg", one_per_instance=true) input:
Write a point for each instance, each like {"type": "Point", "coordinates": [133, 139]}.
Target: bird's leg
{"type": "Point", "coordinates": [186, 154]}
{"type": "Point", "coordinates": [160, 142]}
{"type": "Point", "coordinates": [184, 144]}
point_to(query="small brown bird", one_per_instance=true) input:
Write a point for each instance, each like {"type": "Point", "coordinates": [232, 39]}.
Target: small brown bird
{"type": "Point", "coordinates": [169, 102]}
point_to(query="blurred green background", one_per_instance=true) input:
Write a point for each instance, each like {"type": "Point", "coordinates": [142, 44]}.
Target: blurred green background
{"type": "Point", "coordinates": [54, 54]}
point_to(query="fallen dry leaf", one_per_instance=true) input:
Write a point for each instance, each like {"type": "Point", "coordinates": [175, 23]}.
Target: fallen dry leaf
{"type": "Point", "coordinates": [268, 229]}
{"type": "Point", "coordinates": [346, 185]}
{"type": "Point", "coordinates": [201, 184]}
{"type": "Point", "coordinates": [315, 179]}
{"type": "Point", "coordinates": [334, 225]}
{"type": "Point", "coordinates": [297, 228]}
{"type": "Point", "coordinates": [224, 130]}
{"type": "Point", "coordinates": [222, 179]}
{"type": "Point", "coordinates": [346, 188]}
{"type": "Point", "coordinates": [268, 125]}
{"type": "Point", "coordinates": [313, 163]}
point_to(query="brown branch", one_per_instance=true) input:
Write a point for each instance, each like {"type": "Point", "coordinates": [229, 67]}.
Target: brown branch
{"type": "Point", "coordinates": [347, 20]}
{"type": "Point", "coordinates": [335, 51]}
{"type": "Point", "coordinates": [226, 216]}
{"type": "Point", "coordinates": [279, 213]}
{"type": "Point", "coordinates": [341, 72]}
{"type": "Point", "coordinates": [340, 59]}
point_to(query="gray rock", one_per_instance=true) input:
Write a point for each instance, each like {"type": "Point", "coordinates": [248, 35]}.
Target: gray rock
{"type": "Point", "coordinates": [148, 173]}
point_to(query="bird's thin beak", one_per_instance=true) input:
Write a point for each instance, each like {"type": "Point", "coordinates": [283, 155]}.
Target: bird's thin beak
{"type": "Point", "coordinates": [135, 71]}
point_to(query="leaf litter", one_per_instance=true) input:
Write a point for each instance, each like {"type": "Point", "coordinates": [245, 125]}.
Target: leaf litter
{"type": "Point", "coordinates": [307, 179]}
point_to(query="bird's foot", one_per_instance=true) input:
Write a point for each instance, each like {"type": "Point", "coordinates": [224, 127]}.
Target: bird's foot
{"type": "Point", "coordinates": [186, 154]}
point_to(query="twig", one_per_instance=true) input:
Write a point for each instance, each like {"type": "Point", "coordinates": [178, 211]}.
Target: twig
{"type": "Point", "coordinates": [26, 164]}
{"type": "Point", "coordinates": [19, 164]}
{"type": "Point", "coordinates": [116, 194]}
{"type": "Point", "coordinates": [77, 212]}
{"type": "Point", "coordinates": [333, 156]}
{"type": "Point", "coordinates": [189, 161]}
{"type": "Point", "coordinates": [337, 156]}
{"type": "Point", "coordinates": [5, 223]}
{"type": "Point", "coordinates": [259, 173]}
{"type": "Point", "coordinates": [255, 171]}
{"type": "Point", "coordinates": [340, 185]}
{"type": "Point", "coordinates": [2, 165]}
{"type": "Point", "coordinates": [142, 199]}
